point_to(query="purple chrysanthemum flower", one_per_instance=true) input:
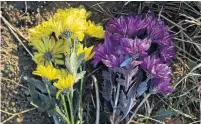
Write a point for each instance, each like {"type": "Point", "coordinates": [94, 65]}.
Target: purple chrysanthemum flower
{"type": "Point", "coordinates": [167, 53]}
{"type": "Point", "coordinates": [109, 53]}
{"type": "Point", "coordinates": [161, 85]}
{"type": "Point", "coordinates": [135, 35]}
{"type": "Point", "coordinates": [155, 68]}
{"type": "Point", "coordinates": [112, 60]}
{"type": "Point", "coordinates": [126, 26]}
{"type": "Point", "coordinates": [141, 43]}
{"type": "Point", "coordinates": [99, 54]}
{"type": "Point", "coordinates": [159, 72]}
{"type": "Point", "coordinates": [136, 46]}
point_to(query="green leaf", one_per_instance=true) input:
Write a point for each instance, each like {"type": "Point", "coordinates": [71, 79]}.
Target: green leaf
{"type": "Point", "coordinates": [67, 63]}
{"type": "Point", "coordinates": [68, 45]}
{"type": "Point", "coordinates": [80, 76]}
{"type": "Point", "coordinates": [41, 85]}
{"type": "Point", "coordinates": [52, 89]}
{"type": "Point", "coordinates": [73, 63]}
{"type": "Point", "coordinates": [80, 59]}
{"type": "Point", "coordinates": [104, 117]}
{"type": "Point", "coordinates": [39, 96]}
{"type": "Point", "coordinates": [37, 83]}
{"type": "Point", "coordinates": [163, 114]}
{"type": "Point", "coordinates": [46, 103]}
{"type": "Point", "coordinates": [75, 45]}
{"type": "Point", "coordinates": [42, 101]}
{"type": "Point", "coordinates": [33, 93]}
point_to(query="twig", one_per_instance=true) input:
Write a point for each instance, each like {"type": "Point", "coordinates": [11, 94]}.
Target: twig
{"type": "Point", "coordinates": [198, 13]}
{"type": "Point", "coordinates": [11, 117]}
{"type": "Point", "coordinates": [184, 114]}
{"type": "Point", "coordinates": [94, 71]}
{"type": "Point", "coordinates": [199, 60]}
{"type": "Point", "coordinates": [195, 122]}
{"type": "Point", "coordinates": [12, 31]}
{"type": "Point", "coordinates": [80, 107]}
{"type": "Point", "coordinates": [148, 106]}
{"type": "Point", "coordinates": [93, 101]}
{"type": "Point", "coordinates": [194, 68]}
{"type": "Point", "coordinates": [150, 118]}
{"type": "Point", "coordinates": [125, 4]}
{"type": "Point", "coordinates": [139, 9]}
{"type": "Point", "coordinates": [97, 100]}
{"type": "Point", "coordinates": [185, 93]}
{"type": "Point", "coordinates": [159, 15]}
{"type": "Point", "coordinates": [6, 112]}
{"type": "Point", "coordinates": [13, 28]}
{"type": "Point", "coordinates": [138, 107]}
{"type": "Point", "coordinates": [96, 4]}
{"type": "Point", "coordinates": [115, 103]}
{"type": "Point", "coordinates": [25, 3]}
{"type": "Point", "coordinates": [200, 106]}
{"type": "Point", "coordinates": [177, 111]}
{"type": "Point", "coordinates": [187, 41]}
{"type": "Point", "coordinates": [13, 82]}
{"type": "Point", "coordinates": [103, 11]}
{"type": "Point", "coordinates": [172, 22]}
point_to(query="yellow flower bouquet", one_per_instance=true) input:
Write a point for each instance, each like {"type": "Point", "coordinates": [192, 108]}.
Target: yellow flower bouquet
{"type": "Point", "coordinates": [60, 56]}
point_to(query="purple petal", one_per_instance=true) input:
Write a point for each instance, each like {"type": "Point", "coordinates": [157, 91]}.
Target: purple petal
{"type": "Point", "coordinates": [161, 85]}
{"type": "Point", "coordinates": [167, 53]}
{"type": "Point", "coordinates": [155, 67]}
{"type": "Point", "coordinates": [135, 46]}
{"type": "Point", "coordinates": [135, 63]}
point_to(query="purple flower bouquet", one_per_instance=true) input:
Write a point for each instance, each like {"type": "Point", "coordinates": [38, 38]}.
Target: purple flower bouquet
{"type": "Point", "coordinates": [137, 51]}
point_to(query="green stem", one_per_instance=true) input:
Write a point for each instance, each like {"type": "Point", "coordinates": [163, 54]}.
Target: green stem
{"type": "Point", "coordinates": [70, 104]}
{"type": "Point", "coordinates": [80, 98]}
{"type": "Point", "coordinates": [97, 100]}
{"type": "Point", "coordinates": [62, 115]}
{"type": "Point", "coordinates": [48, 90]}
{"type": "Point", "coordinates": [138, 107]}
{"type": "Point", "coordinates": [64, 104]}
{"type": "Point", "coordinates": [80, 109]}
{"type": "Point", "coordinates": [115, 104]}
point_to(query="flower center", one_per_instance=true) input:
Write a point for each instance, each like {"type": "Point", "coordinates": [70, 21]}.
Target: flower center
{"type": "Point", "coordinates": [48, 56]}
{"type": "Point", "coordinates": [153, 48]}
{"type": "Point", "coordinates": [67, 34]}
{"type": "Point", "coordinates": [141, 34]}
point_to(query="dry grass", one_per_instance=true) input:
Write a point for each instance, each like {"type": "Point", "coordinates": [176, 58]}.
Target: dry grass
{"type": "Point", "coordinates": [183, 19]}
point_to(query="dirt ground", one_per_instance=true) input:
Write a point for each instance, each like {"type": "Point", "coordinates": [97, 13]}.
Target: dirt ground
{"type": "Point", "coordinates": [16, 62]}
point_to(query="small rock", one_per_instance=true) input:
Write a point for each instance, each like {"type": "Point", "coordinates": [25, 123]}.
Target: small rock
{"type": "Point", "coordinates": [38, 10]}
{"type": "Point", "coordinates": [14, 109]}
{"type": "Point", "coordinates": [13, 103]}
{"type": "Point", "coordinates": [19, 120]}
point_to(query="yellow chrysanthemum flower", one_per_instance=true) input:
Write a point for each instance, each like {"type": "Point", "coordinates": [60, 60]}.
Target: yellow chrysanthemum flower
{"type": "Point", "coordinates": [72, 20]}
{"type": "Point", "coordinates": [46, 28]}
{"type": "Point", "coordinates": [88, 53]}
{"type": "Point", "coordinates": [95, 30]}
{"type": "Point", "coordinates": [49, 51]}
{"type": "Point", "coordinates": [62, 73]}
{"type": "Point", "coordinates": [64, 83]}
{"type": "Point", "coordinates": [48, 72]}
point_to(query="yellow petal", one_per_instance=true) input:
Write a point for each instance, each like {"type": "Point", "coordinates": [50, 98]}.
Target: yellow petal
{"type": "Point", "coordinates": [58, 93]}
